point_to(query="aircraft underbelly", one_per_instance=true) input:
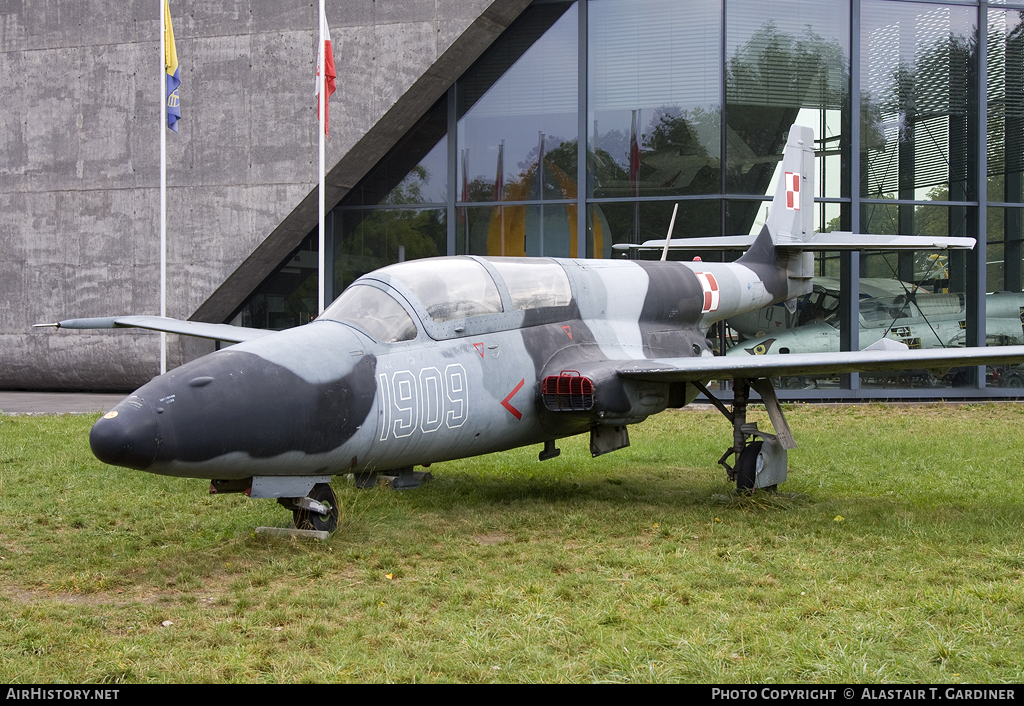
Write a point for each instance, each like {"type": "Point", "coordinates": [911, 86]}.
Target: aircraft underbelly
{"type": "Point", "coordinates": [238, 464]}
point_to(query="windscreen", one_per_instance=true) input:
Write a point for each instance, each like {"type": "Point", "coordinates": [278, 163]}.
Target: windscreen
{"type": "Point", "coordinates": [374, 312]}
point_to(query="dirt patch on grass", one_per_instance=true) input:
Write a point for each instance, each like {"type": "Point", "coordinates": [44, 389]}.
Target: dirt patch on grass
{"type": "Point", "coordinates": [101, 598]}
{"type": "Point", "coordinates": [492, 538]}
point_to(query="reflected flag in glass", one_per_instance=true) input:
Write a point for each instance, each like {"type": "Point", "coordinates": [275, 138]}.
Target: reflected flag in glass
{"type": "Point", "coordinates": [634, 154]}
{"type": "Point", "coordinates": [499, 176]}
{"type": "Point", "coordinates": [464, 194]}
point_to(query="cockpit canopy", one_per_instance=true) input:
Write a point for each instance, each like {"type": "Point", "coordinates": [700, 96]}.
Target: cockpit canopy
{"type": "Point", "coordinates": [457, 295]}
{"type": "Point", "coordinates": [450, 288]}
{"type": "Point", "coordinates": [374, 312]}
{"type": "Point", "coordinates": [533, 283]}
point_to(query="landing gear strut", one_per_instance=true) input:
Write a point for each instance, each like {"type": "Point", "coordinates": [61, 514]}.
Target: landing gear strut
{"type": "Point", "coordinates": [761, 460]}
{"type": "Point", "coordinates": [310, 498]}
{"type": "Point", "coordinates": [320, 514]}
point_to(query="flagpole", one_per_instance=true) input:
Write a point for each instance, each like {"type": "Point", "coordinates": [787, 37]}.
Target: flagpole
{"type": "Point", "coordinates": [163, 185]}
{"type": "Point", "coordinates": [500, 188]}
{"type": "Point", "coordinates": [540, 194]}
{"type": "Point", "coordinates": [320, 80]}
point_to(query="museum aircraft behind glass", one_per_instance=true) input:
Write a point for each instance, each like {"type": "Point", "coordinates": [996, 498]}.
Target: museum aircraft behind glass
{"type": "Point", "coordinates": [898, 310]}
{"type": "Point", "coordinates": [445, 358]}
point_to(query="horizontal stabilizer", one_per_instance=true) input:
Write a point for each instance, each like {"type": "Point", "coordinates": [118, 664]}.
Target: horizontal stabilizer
{"type": "Point", "coordinates": [845, 240]}
{"type": "Point", "coordinates": [836, 240]}
{"type": "Point", "coordinates": [199, 329]}
{"type": "Point", "coordinates": [724, 242]}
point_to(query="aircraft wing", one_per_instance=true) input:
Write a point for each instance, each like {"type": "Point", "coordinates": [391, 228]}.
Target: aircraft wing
{"type": "Point", "coordinates": [217, 332]}
{"type": "Point", "coordinates": [769, 366]}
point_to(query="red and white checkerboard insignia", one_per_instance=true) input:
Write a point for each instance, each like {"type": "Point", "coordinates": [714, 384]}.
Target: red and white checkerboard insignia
{"type": "Point", "coordinates": [711, 294]}
{"type": "Point", "coordinates": [792, 191]}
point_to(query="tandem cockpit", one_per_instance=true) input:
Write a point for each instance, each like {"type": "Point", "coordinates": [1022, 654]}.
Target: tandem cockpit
{"type": "Point", "coordinates": [452, 297]}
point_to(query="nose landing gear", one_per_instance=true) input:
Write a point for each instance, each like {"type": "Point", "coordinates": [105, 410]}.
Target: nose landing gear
{"type": "Point", "coordinates": [317, 511]}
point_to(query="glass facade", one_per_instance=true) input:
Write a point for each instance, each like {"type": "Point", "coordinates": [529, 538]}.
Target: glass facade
{"type": "Point", "coordinates": [586, 122]}
{"type": "Point", "coordinates": [289, 296]}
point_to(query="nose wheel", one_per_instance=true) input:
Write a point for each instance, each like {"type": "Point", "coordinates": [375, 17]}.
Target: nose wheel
{"type": "Point", "coordinates": [321, 514]}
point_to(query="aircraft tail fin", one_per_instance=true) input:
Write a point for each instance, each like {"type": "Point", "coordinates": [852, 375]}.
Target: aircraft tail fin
{"type": "Point", "coordinates": [791, 216]}
{"type": "Point", "coordinates": [790, 222]}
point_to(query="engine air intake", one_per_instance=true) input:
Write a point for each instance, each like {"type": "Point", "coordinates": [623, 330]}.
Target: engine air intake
{"type": "Point", "coordinates": [567, 392]}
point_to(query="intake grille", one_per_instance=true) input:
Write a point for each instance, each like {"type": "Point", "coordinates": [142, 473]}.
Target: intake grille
{"type": "Point", "coordinates": [567, 392]}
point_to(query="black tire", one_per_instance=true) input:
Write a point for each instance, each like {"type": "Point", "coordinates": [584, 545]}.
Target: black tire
{"type": "Point", "coordinates": [746, 467]}
{"type": "Point", "coordinates": [304, 519]}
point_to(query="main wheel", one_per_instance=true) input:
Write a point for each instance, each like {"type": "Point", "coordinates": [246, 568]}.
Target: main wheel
{"type": "Point", "coordinates": [304, 519]}
{"type": "Point", "coordinates": [746, 467]}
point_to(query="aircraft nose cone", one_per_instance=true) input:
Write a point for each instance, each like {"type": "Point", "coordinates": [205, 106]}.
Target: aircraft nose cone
{"type": "Point", "coordinates": [126, 436]}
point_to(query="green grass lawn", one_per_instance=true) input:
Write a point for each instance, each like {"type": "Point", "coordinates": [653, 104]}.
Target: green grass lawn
{"type": "Point", "coordinates": [892, 553]}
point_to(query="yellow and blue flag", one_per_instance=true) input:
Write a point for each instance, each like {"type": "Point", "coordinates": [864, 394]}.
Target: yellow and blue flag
{"type": "Point", "coordinates": [172, 70]}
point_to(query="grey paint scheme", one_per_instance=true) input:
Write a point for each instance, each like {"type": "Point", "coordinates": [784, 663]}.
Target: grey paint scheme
{"type": "Point", "coordinates": [310, 400]}
{"type": "Point", "coordinates": [325, 398]}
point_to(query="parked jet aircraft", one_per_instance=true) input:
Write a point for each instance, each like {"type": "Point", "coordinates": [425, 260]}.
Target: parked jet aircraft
{"type": "Point", "coordinates": [439, 359]}
{"type": "Point", "coordinates": [821, 304]}
{"type": "Point", "coordinates": [914, 317]}
{"type": "Point", "coordinates": [888, 308]}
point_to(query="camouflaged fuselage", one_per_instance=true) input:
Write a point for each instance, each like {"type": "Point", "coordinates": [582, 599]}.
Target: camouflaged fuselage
{"type": "Point", "coordinates": [326, 398]}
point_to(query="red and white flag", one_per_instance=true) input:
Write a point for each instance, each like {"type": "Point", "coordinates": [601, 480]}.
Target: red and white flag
{"type": "Point", "coordinates": [792, 191]}
{"type": "Point", "coordinates": [329, 74]}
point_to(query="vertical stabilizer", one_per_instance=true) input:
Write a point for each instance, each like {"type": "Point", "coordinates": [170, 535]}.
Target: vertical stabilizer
{"type": "Point", "coordinates": [791, 217]}
{"type": "Point", "coordinates": [790, 223]}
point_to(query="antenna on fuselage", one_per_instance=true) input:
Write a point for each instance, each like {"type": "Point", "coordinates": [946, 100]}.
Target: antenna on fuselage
{"type": "Point", "coordinates": [668, 238]}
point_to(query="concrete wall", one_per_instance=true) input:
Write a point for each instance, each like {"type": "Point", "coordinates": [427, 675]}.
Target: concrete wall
{"type": "Point", "coordinates": [79, 155]}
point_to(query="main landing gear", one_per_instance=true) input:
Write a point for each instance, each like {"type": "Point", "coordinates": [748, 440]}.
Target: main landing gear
{"type": "Point", "coordinates": [761, 457]}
